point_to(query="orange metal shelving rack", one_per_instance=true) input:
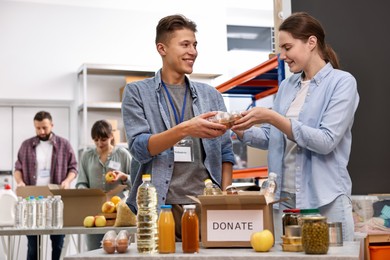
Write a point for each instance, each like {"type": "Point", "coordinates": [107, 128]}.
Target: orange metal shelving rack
{"type": "Point", "coordinates": [258, 82]}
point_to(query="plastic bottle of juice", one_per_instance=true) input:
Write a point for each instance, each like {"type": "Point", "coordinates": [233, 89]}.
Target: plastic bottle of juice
{"type": "Point", "coordinates": [166, 230]}
{"type": "Point", "coordinates": [190, 230]}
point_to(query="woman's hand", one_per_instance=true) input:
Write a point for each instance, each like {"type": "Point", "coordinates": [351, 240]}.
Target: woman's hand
{"type": "Point", "coordinates": [119, 176]}
{"type": "Point", "coordinates": [254, 116]}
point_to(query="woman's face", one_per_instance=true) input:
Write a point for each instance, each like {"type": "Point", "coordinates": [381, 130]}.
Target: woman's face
{"type": "Point", "coordinates": [102, 143]}
{"type": "Point", "coordinates": [295, 52]}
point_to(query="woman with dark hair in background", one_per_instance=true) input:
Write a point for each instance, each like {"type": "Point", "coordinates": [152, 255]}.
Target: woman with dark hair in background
{"type": "Point", "coordinates": [97, 161]}
{"type": "Point", "coordinates": [308, 130]}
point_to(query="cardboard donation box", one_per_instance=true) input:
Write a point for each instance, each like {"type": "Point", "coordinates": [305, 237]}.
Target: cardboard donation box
{"type": "Point", "coordinates": [78, 203]}
{"type": "Point", "coordinates": [229, 220]}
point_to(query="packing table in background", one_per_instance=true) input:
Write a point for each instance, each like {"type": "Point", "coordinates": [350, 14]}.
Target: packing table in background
{"type": "Point", "coordinates": [79, 230]}
{"type": "Point", "coordinates": [350, 251]}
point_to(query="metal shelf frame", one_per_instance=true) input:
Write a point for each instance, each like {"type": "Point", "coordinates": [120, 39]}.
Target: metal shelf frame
{"type": "Point", "coordinates": [258, 82]}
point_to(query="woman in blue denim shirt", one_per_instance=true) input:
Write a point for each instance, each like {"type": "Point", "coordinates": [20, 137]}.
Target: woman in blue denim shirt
{"type": "Point", "coordinates": [308, 130]}
{"type": "Point", "coordinates": [166, 124]}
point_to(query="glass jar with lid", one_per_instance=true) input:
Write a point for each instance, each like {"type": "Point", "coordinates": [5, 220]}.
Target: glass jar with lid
{"type": "Point", "coordinates": [308, 213]}
{"type": "Point", "coordinates": [315, 234]}
{"type": "Point", "coordinates": [290, 217]}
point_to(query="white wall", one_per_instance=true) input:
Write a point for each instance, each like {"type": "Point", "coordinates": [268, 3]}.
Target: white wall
{"type": "Point", "coordinates": [42, 45]}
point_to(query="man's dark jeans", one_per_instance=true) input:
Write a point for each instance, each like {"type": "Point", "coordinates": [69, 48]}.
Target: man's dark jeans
{"type": "Point", "coordinates": [57, 241]}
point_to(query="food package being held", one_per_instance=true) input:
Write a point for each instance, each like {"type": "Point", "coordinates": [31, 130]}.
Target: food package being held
{"type": "Point", "coordinates": [225, 118]}
{"type": "Point", "coordinates": [124, 216]}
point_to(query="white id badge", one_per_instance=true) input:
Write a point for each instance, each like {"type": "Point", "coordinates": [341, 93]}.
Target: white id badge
{"type": "Point", "coordinates": [184, 151]}
{"type": "Point", "coordinates": [43, 177]}
{"type": "Point", "coordinates": [114, 165]}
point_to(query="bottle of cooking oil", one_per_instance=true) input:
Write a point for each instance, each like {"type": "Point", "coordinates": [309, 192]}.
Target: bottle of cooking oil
{"type": "Point", "coordinates": [147, 217]}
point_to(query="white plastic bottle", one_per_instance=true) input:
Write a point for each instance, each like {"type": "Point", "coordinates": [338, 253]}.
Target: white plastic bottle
{"type": "Point", "coordinates": [147, 218]}
{"type": "Point", "coordinates": [8, 201]}
{"type": "Point", "coordinates": [49, 212]}
{"type": "Point", "coordinates": [41, 212]}
{"type": "Point", "coordinates": [58, 212]}
{"type": "Point", "coordinates": [31, 213]}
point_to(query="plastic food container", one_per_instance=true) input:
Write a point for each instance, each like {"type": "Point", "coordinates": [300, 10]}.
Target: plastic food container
{"type": "Point", "coordinates": [122, 241]}
{"type": "Point", "coordinates": [108, 242]}
{"type": "Point", "coordinates": [292, 231]}
{"type": "Point", "coordinates": [292, 248]}
{"type": "Point", "coordinates": [292, 240]}
{"type": "Point", "coordinates": [225, 118]}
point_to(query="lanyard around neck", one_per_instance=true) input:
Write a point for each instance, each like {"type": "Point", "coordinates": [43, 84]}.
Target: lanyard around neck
{"type": "Point", "coordinates": [173, 106]}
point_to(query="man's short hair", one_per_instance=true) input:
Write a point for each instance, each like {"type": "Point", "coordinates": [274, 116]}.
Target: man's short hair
{"type": "Point", "coordinates": [41, 115]}
{"type": "Point", "coordinates": [169, 24]}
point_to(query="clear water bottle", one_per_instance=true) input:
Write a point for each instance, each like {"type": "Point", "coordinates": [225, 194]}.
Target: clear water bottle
{"type": "Point", "coordinates": [49, 212]}
{"type": "Point", "coordinates": [31, 213]}
{"type": "Point", "coordinates": [41, 212]}
{"type": "Point", "coordinates": [210, 188]}
{"type": "Point", "coordinates": [268, 188]}
{"type": "Point", "coordinates": [24, 212]}
{"type": "Point", "coordinates": [147, 217]}
{"type": "Point", "coordinates": [19, 208]}
{"type": "Point", "coordinates": [58, 212]}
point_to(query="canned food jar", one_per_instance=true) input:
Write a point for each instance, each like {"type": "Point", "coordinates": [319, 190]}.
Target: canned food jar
{"type": "Point", "coordinates": [308, 213]}
{"type": "Point", "coordinates": [290, 217]}
{"type": "Point", "coordinates": [315, 235]}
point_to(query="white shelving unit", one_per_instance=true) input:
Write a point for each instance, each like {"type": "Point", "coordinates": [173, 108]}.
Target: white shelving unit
{"type": "Point", "coordinates": [92, 107]}
{"type": "Point", "coordinates": [107, 107]}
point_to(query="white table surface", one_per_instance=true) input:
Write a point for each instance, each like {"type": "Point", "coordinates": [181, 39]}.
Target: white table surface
{"type": "Point", "coordinates": [350, 251]}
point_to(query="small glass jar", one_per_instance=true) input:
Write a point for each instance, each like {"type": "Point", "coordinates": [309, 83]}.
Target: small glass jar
{"type": "Point", "coordinates": [315, 235]}
{"type": "Point", "coordinates": [290, 217]}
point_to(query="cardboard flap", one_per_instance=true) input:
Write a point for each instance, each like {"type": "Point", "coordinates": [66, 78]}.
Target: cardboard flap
{"type": "Point", "coordinates": [194, 199]}
{"type": "Point", "coordinates": [240, 199]}
{"type": "Point", "coordinates": [35, 191]}
{"type": "Point", "coordinates": [78, 192]}
{"type": "Point", "coordinates": [116, 190]}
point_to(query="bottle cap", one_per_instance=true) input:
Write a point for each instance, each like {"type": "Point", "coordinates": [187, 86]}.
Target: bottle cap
{"type": "Point", "coordinates": [166, 206]}
{"type": "Point", "coordinates": [272, 175]}
{"type": "Point", "coordinates": [146, 177]}
{"type": "Point", "coordinates": [189, 206]}
{"type": "Point", "coordinates": [309, 211]}
{"type": "Point", "coordinates": [291, 211]}
{"type": "Point", "coordinates": [207, 181]}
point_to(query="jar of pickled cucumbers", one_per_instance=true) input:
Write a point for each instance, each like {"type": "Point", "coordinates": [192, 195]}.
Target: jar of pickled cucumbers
{"type": "Point", "coordinates": [315, 235]}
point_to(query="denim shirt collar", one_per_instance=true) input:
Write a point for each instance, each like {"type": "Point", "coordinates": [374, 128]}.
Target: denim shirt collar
{"type": "Point", "coordinates": [158, 84]}
{"type": "Point", "coordinates": [318, 78]}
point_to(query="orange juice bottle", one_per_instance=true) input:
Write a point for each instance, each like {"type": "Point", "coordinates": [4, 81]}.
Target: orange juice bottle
{"type": "Point", "coordinates": [166, 231]}
{"type": "Point", "coordinates": [190, 230]}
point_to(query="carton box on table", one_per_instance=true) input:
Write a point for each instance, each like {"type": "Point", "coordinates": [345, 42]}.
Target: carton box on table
{"type": "Point", "coordinates": [229, 220]}
{"type": "Point", "coordinates": [78, 203]}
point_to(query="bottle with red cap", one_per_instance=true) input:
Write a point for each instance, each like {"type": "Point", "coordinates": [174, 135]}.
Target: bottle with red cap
{"type": "Point", "coordinates": [8, 200]}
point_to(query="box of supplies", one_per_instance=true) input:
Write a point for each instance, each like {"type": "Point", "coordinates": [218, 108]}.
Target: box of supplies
{"type": "Point", "coordinates": [230, 220]}
{"type": "Point", "coordinates": [78, 203]}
